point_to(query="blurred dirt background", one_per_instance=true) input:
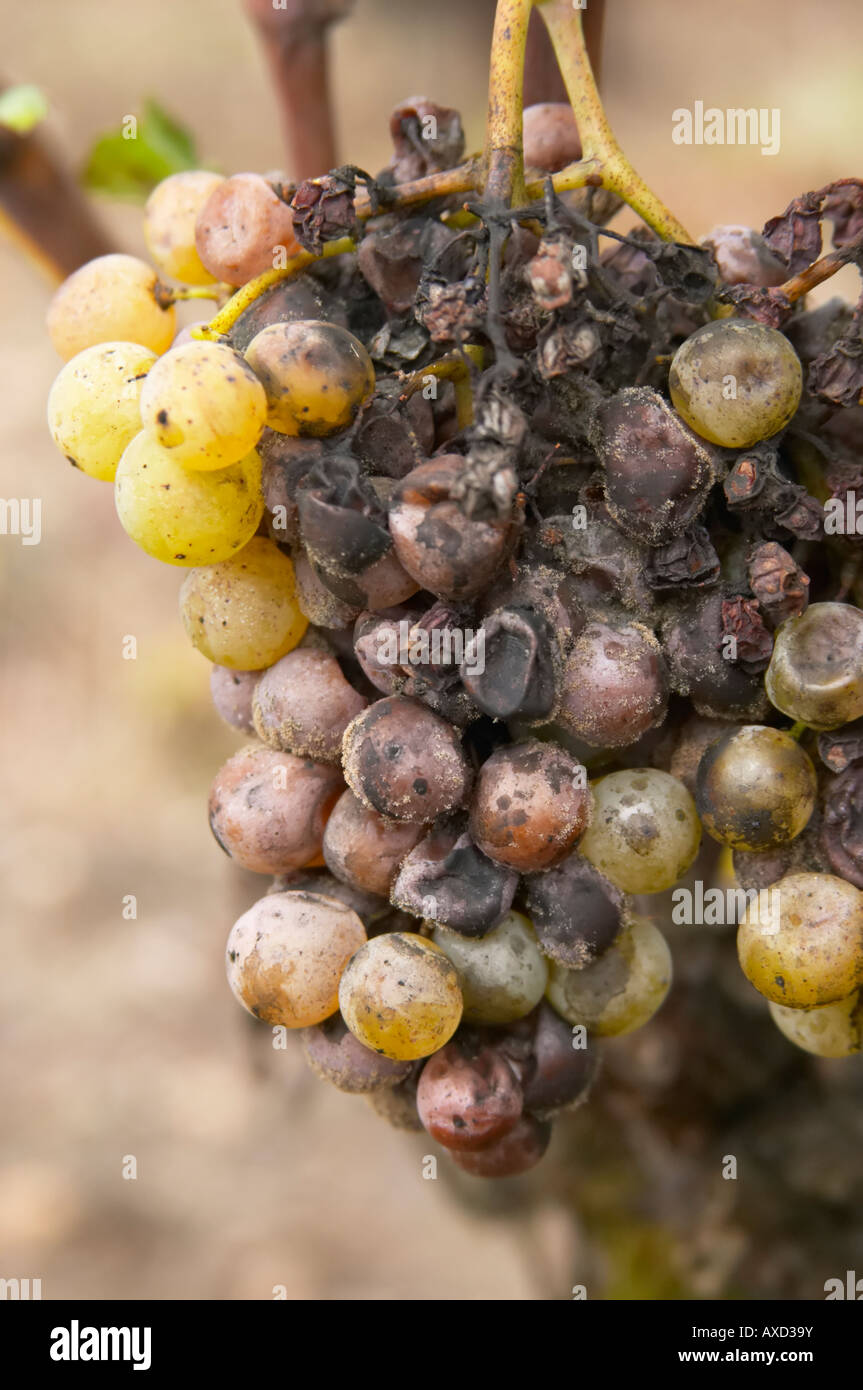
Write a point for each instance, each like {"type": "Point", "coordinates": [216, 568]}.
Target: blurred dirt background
{"type": "Point", "coordinates": [120, 1037]}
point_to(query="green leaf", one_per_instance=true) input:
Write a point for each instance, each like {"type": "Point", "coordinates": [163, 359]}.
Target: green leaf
{"type": "Point", "coordinates": [22, 108]}
{"type": "Point", "coordinates": [130, 162]}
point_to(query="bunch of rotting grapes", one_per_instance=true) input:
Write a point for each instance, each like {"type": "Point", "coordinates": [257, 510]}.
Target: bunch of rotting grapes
{"type": "Point", "coordinates": [524, 551]}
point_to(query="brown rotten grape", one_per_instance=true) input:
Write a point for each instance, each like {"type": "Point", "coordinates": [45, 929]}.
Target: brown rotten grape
{"type": "Point", "coordinates": [657, 472]}
{"type": "Point", "coordinates": [334, 1054]}
{"type": "Point", "coordinates": [447, 879]}
{"type": "Point", "coordinates": [530, 806]}
{"type": "Point", "coordinates": [241, 228]}
{"type": "Point", "coordinates": [614, 686]}
{"type": "Point", "coordinates": [447, 552]}
{"type": "Point", "coordinates": [405, 761]}
{"type": "Point", "coordinates": [560, 1069]}
{"type": "Point", "coordinates": [576, 911]}
{"type": "Point", "coordinates": [268, 809]}
{"type": "Point", "coordinates": [364, 848]}
{"type": "Point", "coordinates": [520, 1149]}
{"type": "Point", "coordinates": [232, 693]}
{"type": "Point", "coordinates": [303, 704]}
{"type": "Point", "coordinates": [468, 1098]}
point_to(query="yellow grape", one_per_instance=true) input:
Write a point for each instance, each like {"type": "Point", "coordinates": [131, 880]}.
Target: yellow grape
{"type": "Point", "coordinates": [110, 300]}
{"type": "Point", "coordinates": [244, 613]}
{"type": "Point", "coordinates": [830, 1030]}
{"type": "Point", "coordinates": [170, 215]}
{"type": "Point", "coordinates": [400, 996]}
{"type": "Point", "coordinates": [204, 405]}
{"type": "Point", "coordinates": [805, 948]}
{"type": "Point", "coordinates": [316, 376]}
{"type": "Point", "coordinates": [184, 517]}
{"type": "Point", "coordinates": [93, 408]}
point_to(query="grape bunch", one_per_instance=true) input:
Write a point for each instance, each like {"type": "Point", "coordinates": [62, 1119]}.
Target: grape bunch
{"type": "Point", "coordinates": [506, 546]}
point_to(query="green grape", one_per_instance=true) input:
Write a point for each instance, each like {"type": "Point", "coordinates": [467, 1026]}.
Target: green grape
{"type": "Point", "coordinates": [503, 974]}
{"type": "Point", "coordinates": [400, 996]}
{"type": "Point", "coordinates": [285, 957]}
{"type": "Point", "coordinates": [112, 299]}
{"type": "Point", "coordinates": [755, 788]}
{"type": "Point", "coordinates": [186, 518]}
{"type": "Point", "coordinates": [622, 990]}
{"type": "Point", "coordinates": [816, 670]}
{"type": "Point", "coordinates": [806, 949]}
{"type": "Point", "coordinates": [93, 408]}
{"type": "Point", "coordinates": [170, 215]}
{"type": "Point", "coordinates": [316, 376]}
{"type": "Point", "coordinates": [244, 613]}
{"type": "Point", "coordinates": [735, 382]}
{"type": "Point", "coordinates": [204, 405]}
{"type": "Point", "coordinates": [833, 1030]}
{"type": "Point", "coordinates": [645, 830]}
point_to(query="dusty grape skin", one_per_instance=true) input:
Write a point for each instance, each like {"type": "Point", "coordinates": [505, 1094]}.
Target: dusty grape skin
{"type": "Point", "coordinates": [303, 704]}
{"type": "Point", "coordinates": [448, 879]}
{"type": "Point", "coordinates": [232, 693]}
{"type": "Point", "coordinates": [446, 552]}
{"type": "Point", "coordinates": [650, 503]}
{"type": "Point", "coordinates": [645, 830]}
{"type": "Point", "coordinates": [405, 761]}
{"type": "Point", "coordinates": [285, 957]}
{"type": "Point", "coordinates": [244, 613]}
{"type": "Point", "coordinates": [364, 848]}
{"type": "Point", "coordinates": [755, 788]}
{"type": "Point", "coordinates": [576, 912]}
{"type": "Point", "coordinates": [615, 686]}
{"type": "Point", "coordinates": [240, 226]}
{"type": "Point", "coordinates": [530, 806]}
{"type": "Point", "coordinates": [268, 809]}
{"type": "Point", "coordinates": [808, 950]}
{"type": "Point", "coordinates": [334, 1054]}
{"type": "Point", "coordinates": [317, 602]}
{"type": "Point", "coordinates": [467, 1100]}
{"type": "Point", "coordinates": [517, 1152]}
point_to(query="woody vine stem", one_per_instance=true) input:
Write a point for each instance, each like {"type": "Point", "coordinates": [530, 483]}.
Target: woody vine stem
{"type": "Point", "coordinates": [498, 173]}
